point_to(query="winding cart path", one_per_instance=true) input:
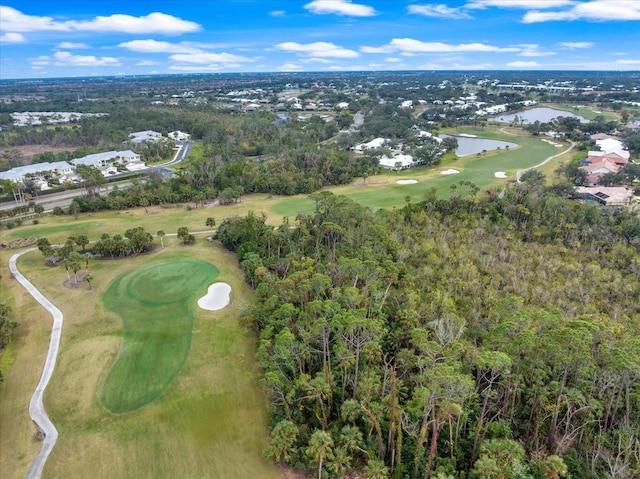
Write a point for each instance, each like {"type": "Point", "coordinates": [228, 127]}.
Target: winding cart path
{"type": "Point", "coordinates": [36, 406]}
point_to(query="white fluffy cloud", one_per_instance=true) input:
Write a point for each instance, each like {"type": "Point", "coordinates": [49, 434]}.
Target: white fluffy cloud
{"type": "Point", "coordinates": [318, 49]}
{"type": "Point", "coordinates": [524, 4]}
{"type": "Point", "coordinates": [340, 7]}
{"type": "Point", "coordinates": [72, 46]}
{"type": "Point", "coordinates": [290, 67]}
{"type": "Point", "coordinates": [203, 57]}
{"type": "Point", "coordinates": [576, 45]}
{"type": "Point", "coordinates": [438, 11]}
{"type": "Point", "coordinates": [12, 37]}
{"type": "Point", "coordinates": [417, 46]}
{"type": "Point", "coordinates": [68, 59]}
{"type": "Point", "coordinates": [596, 10]}
{"type": "Point", "coordinates": [155, 46]}
{"type": "Point", "coordinates": [533, 50]}
{"type": "Point", "coordinates": [523, 64]}
{"type": "Point", "coordinates": [12, 20]}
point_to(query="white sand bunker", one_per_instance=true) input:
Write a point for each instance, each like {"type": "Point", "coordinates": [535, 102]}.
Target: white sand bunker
{"type": "Point", "coordinates": [450, 171]}
{"type": "Point", "coordinates": [500, 174]}
{"type": "Point", "coordinates": [407, 182]}
{"type": "Point", "coordinates": [217, 297]}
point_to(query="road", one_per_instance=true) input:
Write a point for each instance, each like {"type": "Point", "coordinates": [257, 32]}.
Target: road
{"type": "Point", "coordinates": [64, 198]}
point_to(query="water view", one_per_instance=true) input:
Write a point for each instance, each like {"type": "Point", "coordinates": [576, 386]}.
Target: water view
{"type": "Point", "coordinates": [543, 115]}
{"type": "Point", "coordinates": [470, 145]}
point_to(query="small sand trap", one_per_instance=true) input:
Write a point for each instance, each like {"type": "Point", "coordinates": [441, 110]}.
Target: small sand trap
{"type": "Point", "coordinates": [500, 174]}
{"type": "Point", "coordinates": [407, 182]}
{"type": "Point", "coordinates": [217, 297]}
{"type": "Point", "coordinates": [450, 171]}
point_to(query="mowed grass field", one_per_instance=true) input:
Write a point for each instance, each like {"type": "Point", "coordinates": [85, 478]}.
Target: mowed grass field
{"type": "Point", "coordinates": [156, 305]}
{"type": "Point", "coordinates": [211, 420]}
{"type": "Point", "coordinates": [382, 191]}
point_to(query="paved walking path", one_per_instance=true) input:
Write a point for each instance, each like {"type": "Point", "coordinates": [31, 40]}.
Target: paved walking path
{"type": "Point", "coordinates": [519, 172]}
{"type": "Point", "coordinates": [36, 407]}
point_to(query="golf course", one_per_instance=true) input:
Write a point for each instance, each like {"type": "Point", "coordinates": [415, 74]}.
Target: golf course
{"type": "Point", "coordinates": [148, 384]}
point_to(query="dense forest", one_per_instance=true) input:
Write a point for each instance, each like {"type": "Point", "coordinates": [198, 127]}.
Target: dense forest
{"type": "Point", "coordinates": [473, 337]}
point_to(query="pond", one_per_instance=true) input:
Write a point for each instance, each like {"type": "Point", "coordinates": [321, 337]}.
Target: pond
{"type": "Point", "coordinates": [471, 145]}
{"type": "Point", "coordinates": [543, 115]}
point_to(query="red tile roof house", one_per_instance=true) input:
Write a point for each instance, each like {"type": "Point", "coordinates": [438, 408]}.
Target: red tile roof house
{"type": "Point", "coordinates": [599, 163]}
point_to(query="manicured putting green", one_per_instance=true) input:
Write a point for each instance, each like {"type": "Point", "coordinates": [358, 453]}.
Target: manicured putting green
{"type": "Point", "coordinates": [156, 305]}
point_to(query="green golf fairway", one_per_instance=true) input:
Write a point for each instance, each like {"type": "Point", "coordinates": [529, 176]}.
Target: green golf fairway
{"type": "Point", "coordinates": [156, 305]}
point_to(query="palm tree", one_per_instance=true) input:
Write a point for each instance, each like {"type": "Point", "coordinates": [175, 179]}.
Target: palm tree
{"type": "Point", "coordinates": [160, 234]}
{"type": "Point", "coordinates": [340, 463]}
{"type": "Point", "coordinates": [88, 278]}
{"type": "Point", "coordinates": [376, 469]}
{"type": "Point", "coordinates": [320, 447]}
{"type": "Point", "coordinates": [211, 222]}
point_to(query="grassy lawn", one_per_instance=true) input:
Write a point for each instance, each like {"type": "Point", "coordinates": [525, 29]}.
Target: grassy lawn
{"type": "Point", "coordinates": [211, 421]}
{"type": "Point", "coordinates": [156, 305]}
{"type": "Point", "coordinates": [382, 191]}
{"type": "Point", "coordinates": [590, 112]}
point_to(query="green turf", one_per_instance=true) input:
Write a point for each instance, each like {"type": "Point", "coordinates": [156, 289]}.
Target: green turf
{"type": "Point", "coordinates": [156, 305]}
{"type": "Point", "coordinates": [478, 169]}
{"type": "Point", "coordinates": [588, 112]}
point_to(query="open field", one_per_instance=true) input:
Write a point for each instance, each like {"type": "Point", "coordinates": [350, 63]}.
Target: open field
{"type": "Point", "coordinates": [197, 428]}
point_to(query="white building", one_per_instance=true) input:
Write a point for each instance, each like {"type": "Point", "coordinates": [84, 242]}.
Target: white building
{"type": "Point", "coordinates": [61, 171]}
{"type": "Point", "coordinates": [108, 161]}
{"type": "Point", "coordinates": [143, 136]}
{"type": "Point", "coordinates": [375, 143]}
{"type": "Point", "coordinates": [397, 162]}
{"type": "Point", "coordinates": [179, 136]}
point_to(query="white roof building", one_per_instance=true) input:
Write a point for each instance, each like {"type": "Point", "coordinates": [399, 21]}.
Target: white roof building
{"type": "Point", "coordinates": [147, 135]}
{"type": "Point", "coordinates": [20, 172]}
{"type": "Point", "coordinates": [609, 144]}
{"type": "Point", "coordinates": [375, 143]}
{"type": "Point", "coordinates": [397, 162]}
{"type": "Point", "coordinates": [101, 160]}
{"type": "Point", "coordinates": [179, 135]}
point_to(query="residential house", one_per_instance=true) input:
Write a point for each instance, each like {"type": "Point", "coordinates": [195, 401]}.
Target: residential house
{"type": "Point", "coordinates": [375, 143]}
{"type": "Point", "coordinates": [179, 136]}
{"type": "Point", "coordinates": [609, 196]}
{"type": "Point", "coordinates": [599, 163]}
{"type": "Point", "coordinates": [108, 161]}
{"type": "Point", "coordinates": [144, 136]}
{"type": "Point", "coordinates": [41, 173]}
{"type": "Point", "coordinates": [397, 162]}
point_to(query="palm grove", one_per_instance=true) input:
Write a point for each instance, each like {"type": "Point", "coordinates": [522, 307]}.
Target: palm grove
{"type": "Point", "coordinates": [468, 337]}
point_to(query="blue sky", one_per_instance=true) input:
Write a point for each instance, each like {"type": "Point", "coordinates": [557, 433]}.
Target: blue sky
{"type": "Point", "coordinates": [67, 38]}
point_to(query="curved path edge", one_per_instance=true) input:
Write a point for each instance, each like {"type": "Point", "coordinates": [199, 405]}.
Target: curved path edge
{"type": "Point", "coordinates": [36, 406]}
{"type": "Point", "coordinates": [519, 172]}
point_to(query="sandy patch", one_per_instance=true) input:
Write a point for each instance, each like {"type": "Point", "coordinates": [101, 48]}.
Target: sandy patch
{"type": "Point", "coordinates": [500, 174]}
{"type": "Point", "coordinates": [450, 171]}
{"type": "Point", "coordinates": [557, 145]}
{"type": "Point", "coordinates": [467, 135]}
{"type": "Point", "coordinates": [217, 297]}
{"type": "Point", "coordinates": [407, 182]}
